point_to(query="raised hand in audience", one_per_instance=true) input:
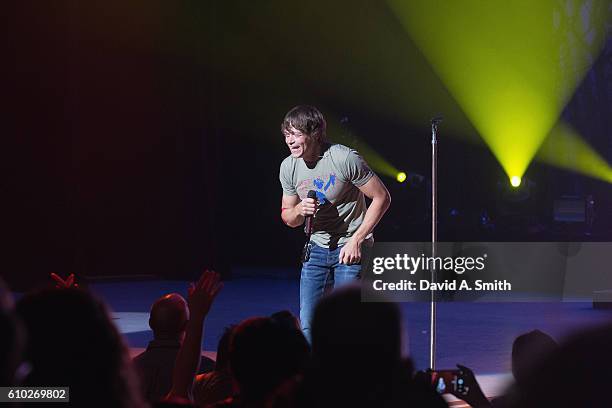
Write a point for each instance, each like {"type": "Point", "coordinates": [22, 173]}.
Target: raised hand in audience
{"type": "Point", "coordinates": [202, 294]}
{"type": "Point", "coordinates": [200, 299]}
{"type": "Point", "coordinates": [60, 283]}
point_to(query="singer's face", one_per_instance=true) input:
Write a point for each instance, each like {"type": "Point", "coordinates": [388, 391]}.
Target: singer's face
{"type": "Point", "coordinates": [301, 144]}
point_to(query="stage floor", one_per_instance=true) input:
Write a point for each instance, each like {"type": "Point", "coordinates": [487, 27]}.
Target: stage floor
{"type": "Point", "coordinates": [478, 335]}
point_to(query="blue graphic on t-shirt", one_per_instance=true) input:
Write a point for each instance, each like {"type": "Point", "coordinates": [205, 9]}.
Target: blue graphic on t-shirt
{"type": "Point", "coordinates": [319, 182]}
{"type": "Point", "coordinates": [331, 182]}
{"type": "Point", "coordinates": [321, 198]}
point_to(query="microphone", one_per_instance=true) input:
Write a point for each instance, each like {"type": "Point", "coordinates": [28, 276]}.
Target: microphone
{"type": "Point", "coordinates": [309, 223]}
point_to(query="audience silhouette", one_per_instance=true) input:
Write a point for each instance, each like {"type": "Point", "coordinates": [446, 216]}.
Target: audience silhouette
{"type": "Point", "coordinates": [72, 342]}
{"type": "Point", "coordinates": [168, 319]}
{"type": "Point", "coordinates": [64, 336]}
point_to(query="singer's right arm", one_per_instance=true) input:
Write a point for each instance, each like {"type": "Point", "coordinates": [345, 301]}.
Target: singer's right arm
{"type": "Point", "coordinates": [293, 211]}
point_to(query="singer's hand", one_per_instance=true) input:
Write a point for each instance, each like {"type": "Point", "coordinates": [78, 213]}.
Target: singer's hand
{"type": "Point", "coordinates": [308, 207]}
{"type": "Point", "coordinates": [350, 253]}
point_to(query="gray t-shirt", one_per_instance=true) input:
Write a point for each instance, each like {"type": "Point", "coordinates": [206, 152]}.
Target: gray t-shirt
{"type": "Point", "coordinates": [335, 178]}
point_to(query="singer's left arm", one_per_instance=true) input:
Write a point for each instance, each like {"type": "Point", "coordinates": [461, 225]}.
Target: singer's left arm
{"type": "Point", "coordinates": [381, 199]}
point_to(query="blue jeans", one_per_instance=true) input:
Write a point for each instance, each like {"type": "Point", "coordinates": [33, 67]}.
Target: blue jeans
{"type": "Point", "coordinates": [320, 273]}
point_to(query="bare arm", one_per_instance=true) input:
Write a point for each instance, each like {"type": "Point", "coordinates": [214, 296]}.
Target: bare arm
{"type": "Point", "coordinates": [201, 297]}
{"type": "Point", "coordinates": [381, 199]}
{"type": "Point", "coordinates": [375, 190]}
{"type": "Point", "coordinates": [293, 210]}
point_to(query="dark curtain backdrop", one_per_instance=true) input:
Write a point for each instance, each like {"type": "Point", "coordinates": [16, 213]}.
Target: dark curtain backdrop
{"type": "Point", "coordinates": [132, 149]}
{"type": "Point", "coordinates": [114, 156]}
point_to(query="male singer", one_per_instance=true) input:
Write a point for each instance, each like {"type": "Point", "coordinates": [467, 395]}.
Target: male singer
{"type": "Point", "coordinates": [341, 222]}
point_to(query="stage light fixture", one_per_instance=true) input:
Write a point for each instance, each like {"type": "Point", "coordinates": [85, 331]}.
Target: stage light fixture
{"type": "Point", "coordinates": [513, 65]}
{"type": "Point", "coordinates": [401, 177]}
{"type": "Point", "coordinates": [515, 181]}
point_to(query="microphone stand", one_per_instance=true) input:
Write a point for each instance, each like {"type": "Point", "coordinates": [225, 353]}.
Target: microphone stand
{"type": "Point", "coordinates": [434, 237]}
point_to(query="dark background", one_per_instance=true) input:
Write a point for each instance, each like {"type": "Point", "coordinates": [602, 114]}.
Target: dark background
{"type": "Point", "coordinates": [143, 137]}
